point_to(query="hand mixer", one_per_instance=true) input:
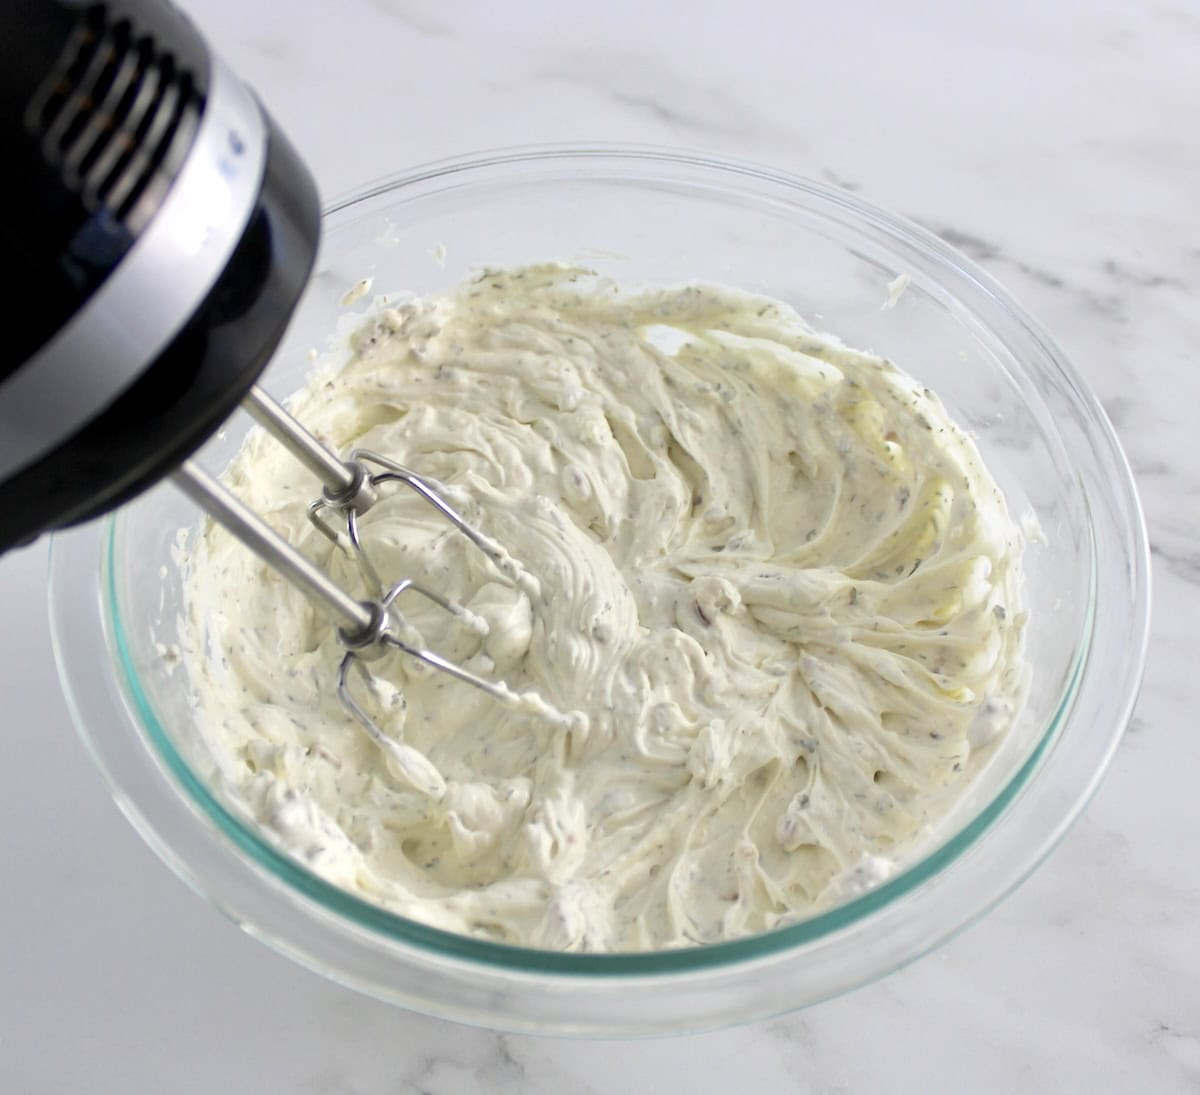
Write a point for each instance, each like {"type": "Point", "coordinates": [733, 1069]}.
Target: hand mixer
{"type": "Point", "coordinates": [159, 230]}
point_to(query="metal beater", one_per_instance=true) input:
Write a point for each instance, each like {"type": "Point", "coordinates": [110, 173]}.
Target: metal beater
{"type": "Point", "coordinates": [370, 627]}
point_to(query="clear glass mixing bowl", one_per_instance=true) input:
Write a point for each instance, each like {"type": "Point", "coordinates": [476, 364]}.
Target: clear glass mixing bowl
{"type": "Point", "coordinates": [644, 215]}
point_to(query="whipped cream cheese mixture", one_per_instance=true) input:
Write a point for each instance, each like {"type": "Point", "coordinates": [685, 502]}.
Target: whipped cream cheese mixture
{"type": "Point", "coordinates": [770, 571]}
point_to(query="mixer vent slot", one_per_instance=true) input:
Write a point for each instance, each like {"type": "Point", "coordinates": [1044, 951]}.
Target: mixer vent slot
{"type": "Point", "coordinates": [115, 117]}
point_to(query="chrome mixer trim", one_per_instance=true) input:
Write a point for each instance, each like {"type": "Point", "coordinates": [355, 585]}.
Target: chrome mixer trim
{"type": "Point", "coordinates": [149, 297]}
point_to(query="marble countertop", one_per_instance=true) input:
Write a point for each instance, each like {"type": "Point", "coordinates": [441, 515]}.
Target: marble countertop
{"type": "Point", "coordinates": [1054, 141]}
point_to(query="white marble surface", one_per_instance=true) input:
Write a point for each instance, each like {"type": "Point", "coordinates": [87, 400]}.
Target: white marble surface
{"type": "Point", "coordinates": [1056, 141]}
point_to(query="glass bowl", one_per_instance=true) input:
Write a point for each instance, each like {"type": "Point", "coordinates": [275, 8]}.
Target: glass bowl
{"type": "Point", "coordinates": [654, 216]}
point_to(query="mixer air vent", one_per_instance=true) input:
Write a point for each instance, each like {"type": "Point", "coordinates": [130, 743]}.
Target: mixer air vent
{"type": "Point", "coordinates": [116, 117]}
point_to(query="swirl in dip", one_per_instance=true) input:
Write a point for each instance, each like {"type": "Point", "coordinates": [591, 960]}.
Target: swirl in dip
{"type": "Point", "coordinates": [771, 571]}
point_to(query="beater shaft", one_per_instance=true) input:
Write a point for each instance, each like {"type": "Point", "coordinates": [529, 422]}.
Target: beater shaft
{"type": "Point", "coordinates": [369, 627]}
{"type": "Point", "coordinates": [347, 485]}
{"type": "Point", "coordinates": [362, 620]}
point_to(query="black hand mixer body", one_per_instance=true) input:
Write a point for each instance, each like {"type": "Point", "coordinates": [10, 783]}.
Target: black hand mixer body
{"type": "Point", "coordinates": [157, 230]}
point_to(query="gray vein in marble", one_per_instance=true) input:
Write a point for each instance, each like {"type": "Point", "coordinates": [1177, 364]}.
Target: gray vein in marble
{"type": "Point", "coordinates": [1150, 469]}
{"type": "Point", "coordinates": [981, 250]}
{"type": "Point", "coordinates": [697, 109]}
{"type": "Point", "coordinates": [673, 116]}
{"type": "Point", "coordinates": [1183, 1047]}
{"type": "Point", "coordinates": [829, 175]}
{"type": "Point", "coordinates": [1179, 17]}
{"type": "Point", "coordinates": [419, 22]}
{"type": "Point", "coordinates": [1119, 272]}
{"type": "Point", "coordinates": [1119, 409]}
{"type": "Point", "coordinates": [972, 246]}
{"type": "Point", "coordinates": [1107, 304]}
{"type": "Point", "coordinates": [479, 1061]}
{"type": "Point", "coordinates": [793, 1038]}
{"type": "Point", "coordinates": [1185, 565]}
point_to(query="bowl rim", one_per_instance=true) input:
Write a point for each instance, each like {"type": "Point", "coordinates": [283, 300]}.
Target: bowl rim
{"type": "Point", "coordinates": [453, 946]}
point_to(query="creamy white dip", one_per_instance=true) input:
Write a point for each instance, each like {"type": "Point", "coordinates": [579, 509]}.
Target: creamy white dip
{"type": "Point", "coordinates": [771, 571]}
